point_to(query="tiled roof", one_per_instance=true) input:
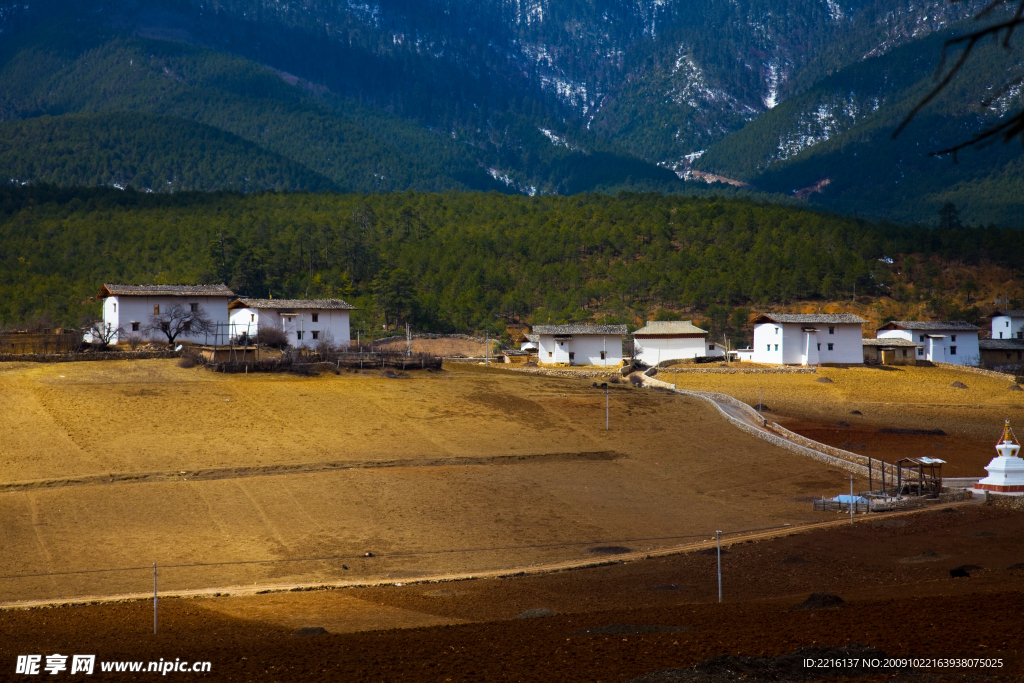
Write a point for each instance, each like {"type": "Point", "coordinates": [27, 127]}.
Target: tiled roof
{"type": "Point", "coordinates": [164, 290]}
{"type": "Point", "coordinates": [889, 341]}
{"type": "Point", "coordinates": [925, 325]}
{"type": "Point", "coordinates": [292, 304]}
{"type": "Point", "coordinates": [532, 337]}
{"type": "Point", "coordinates": [579, 329]}
{"type": "Point", "coordinates": [1001, 344]}
{"type": "Point", "coordinates": [669, 327]}
{"type": "Point", "coordinates": [812, 318]}
{"type": "Point", "coordinates": [1007, 312]}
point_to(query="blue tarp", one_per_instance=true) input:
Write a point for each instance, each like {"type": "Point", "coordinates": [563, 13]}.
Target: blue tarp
{"type": "Point", "coordinates": [857, 500]}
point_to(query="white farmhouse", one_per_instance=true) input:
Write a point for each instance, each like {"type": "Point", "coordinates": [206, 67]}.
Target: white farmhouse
{"type": "Point", "coordinates": [659, 341]}
{"type": "Point", "coordinates": [1007, 324]}
{"type": "Point", "coordinates": [942, 341]}
{"type": "Point", "coordinates": [528, 342]}
{"type": "Point", "coordinates": [580, 344]}
{"type": "Point", "coordinates": [808, 339]}
{"type": "Point", "coordinates": [130, 307]}
{"type": "Point", "coordinates": [305, 322]}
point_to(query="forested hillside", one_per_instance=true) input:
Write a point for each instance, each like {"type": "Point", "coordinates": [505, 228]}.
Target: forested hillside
{"type": "Point", "coordinates": [58, 68]}
{"type": "Point", "coordinates": [841, 130]}
{"type": "Point", "coordinates": [468, 261]}
{"type": "Point", "coordinates": [531, 97]}
{"type": "Point", "coordinates": [145, 152]}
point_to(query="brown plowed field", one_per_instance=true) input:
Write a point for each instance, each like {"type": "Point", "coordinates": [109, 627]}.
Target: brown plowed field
{"type": "Point", "coordinates": [611, 623]}
{"type": "Point", "coordinates": [919, 398]}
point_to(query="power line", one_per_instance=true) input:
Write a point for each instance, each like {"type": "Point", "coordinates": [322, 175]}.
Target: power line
{"type": "Point", "coordinates": [411, 553]}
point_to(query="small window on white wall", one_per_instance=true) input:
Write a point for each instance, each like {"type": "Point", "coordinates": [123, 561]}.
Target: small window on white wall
{"type": "Point", "coordinates": [830, 347]}
{"type": "Point", "coordinates": [316, 318]}
{"type": "Point", "coordinates": [115, 307]}
{"type": "Point", "coordinates": [135, 327]}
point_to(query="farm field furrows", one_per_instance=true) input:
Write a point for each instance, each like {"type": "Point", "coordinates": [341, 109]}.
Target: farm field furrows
{"type": "Point", "coordinates": [609, 623]}
{"type": "Point", "coordinates": [909, 398]}
{"type": "Point", "coordinates": [546, 483]}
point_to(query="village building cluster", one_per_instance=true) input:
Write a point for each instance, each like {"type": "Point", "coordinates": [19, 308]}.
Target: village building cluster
{"type": "Point", "coordinates": [213, 314]}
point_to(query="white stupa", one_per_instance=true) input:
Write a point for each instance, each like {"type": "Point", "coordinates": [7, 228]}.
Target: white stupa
{"type": "Point", "coordinates": [1006, 471]}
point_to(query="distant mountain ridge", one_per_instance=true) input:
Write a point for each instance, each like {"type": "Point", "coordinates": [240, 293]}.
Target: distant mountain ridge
{"type": "Point", "coordinates": [524, 96]}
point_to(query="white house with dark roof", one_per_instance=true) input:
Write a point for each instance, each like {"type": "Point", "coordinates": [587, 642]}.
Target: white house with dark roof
{"type": "Point", "coordinates": [130, 307]}
{"type": "Point", "coordinates": [306, 322]}
{"type": "Point", "coordinates": [808, 339]}
{"type": "Point", "coordinates": [942, 341]}
{"type": "Point", "coordinates": [659, 341]}
{"type": "Point", "coordinates": [1007, 324]}
{"type": "Point", "coordinates": [528, 342]}
{"type": "Point", "coordinates": [580, 344]}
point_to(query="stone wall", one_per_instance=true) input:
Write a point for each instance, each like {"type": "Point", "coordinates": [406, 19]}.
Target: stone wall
{"type": "Point", "coordinates": [774, 439]}
{"type": "Point", "coordinates": [779, 370]}
{"type": "Point", "coordinates": [1012, 379]}
{"type": "Point", "coordinates": [79, 357]}
{"type": "Point", "coordinates": [855, 458]}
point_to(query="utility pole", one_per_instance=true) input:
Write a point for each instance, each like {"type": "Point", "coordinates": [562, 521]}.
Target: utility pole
{"type": "Point", "coordinates": [408, 340]}
{"type": "Point", "coordinates": [851, 499]}
{"type": "Point", "coordinates": [487, 347]}
{"type": "Point", "coordinates": [607, 418]}
{"type": "Point", "coordinates": [718, 538]}
{"type": "Point", "coordinates": [156, 618]}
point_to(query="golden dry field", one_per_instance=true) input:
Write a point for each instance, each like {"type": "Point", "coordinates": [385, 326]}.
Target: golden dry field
{"type": "Point", "coordinates": [915, 398]}
{"type": "Point", "coordinates": [228, 480]}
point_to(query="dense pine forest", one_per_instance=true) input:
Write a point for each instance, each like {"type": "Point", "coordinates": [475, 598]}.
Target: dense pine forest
{"type": "Point", "coordinates": [466, 261]}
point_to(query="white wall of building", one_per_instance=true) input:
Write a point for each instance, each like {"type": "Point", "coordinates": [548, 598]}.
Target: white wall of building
{"type": "Point", "coordinates": [941, 346]}
{"type": "Point", "coordinates": [789, 344]}
{"type": "Point", "coordinates": [847, 342]}
{"type": "Point", "coordinates": [134, 312]}
{"type": "Point", "coordinates": [332, 321]}
{"type": "Point", "coordinates": [1005, 327]}
{"type": "Point", "coordinates": [655, 350]}
{"type": "Point", "coordinates": [581, 349]}
{"type": "Point", "coordinates": [768, 343]}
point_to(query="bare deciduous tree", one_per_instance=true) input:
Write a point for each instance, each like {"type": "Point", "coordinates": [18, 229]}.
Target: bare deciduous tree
{"type": "Point", "coordinates": [178, 319]}
{"type": "Point", "coordinates": [101, 334]}
{"type": "Point", "coordinates": [997, 27]}
{"type": "Point", "coordinates": [325, 346]}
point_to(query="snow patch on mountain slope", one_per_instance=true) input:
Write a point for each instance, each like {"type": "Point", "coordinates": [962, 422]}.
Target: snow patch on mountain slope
{"type": "Point", "coordinates": [831, 117]}
{"type": "Point", "coordinates": [691, 86]}
{"type": "Point", "coordinates": [1003, 103]}
{"type": "Point", "coordinates": [569, 92]}
{"type": "Point", "coordinates": [510, 182]}
{"type": "Point", "coordinates": [774, 77]}
{"type": "Point", "coordinates": [835, 11]}
{"type": "Point", "coordinates": [527, 11]}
